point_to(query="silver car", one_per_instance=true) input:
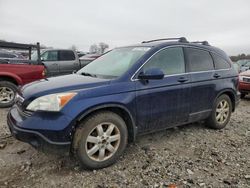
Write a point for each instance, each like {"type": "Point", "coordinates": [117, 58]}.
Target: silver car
{"type": "Point", "coordinates": [59, 61]}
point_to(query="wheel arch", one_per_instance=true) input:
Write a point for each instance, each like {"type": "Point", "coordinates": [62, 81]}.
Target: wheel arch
{"type": "Point", "coordinates": [231, 94]}
{"type": "Point", "coordinates": [119, 109]}
{"type": "Point", "coordinates": [11, 78]}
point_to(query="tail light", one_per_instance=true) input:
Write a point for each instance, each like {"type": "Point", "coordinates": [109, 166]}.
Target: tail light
{"type": "Point", "coordinates": [44, 73]}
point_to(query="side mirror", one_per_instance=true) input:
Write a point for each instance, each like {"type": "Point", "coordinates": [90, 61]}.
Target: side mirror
{"type": "Point", "coordinates": [151, 74]}
{"type": "Point", "coordinates": [42, 58]}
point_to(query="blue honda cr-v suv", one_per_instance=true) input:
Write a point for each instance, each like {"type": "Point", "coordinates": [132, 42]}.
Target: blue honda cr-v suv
{"type": "Point", "coordinates": [129, 91]}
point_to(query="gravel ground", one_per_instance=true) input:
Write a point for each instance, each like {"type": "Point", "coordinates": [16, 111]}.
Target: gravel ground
{"type": "Point", "coordinates": [187, 156]}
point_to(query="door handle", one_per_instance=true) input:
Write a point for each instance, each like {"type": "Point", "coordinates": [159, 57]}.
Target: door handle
{"type": "Point", "coordinates": [182, 79]}
{"type": "Point", "coordinates": [216, 75]}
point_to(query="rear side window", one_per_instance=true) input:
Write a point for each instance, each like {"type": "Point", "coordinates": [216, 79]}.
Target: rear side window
{"type": "Point", "coordinates": [220, 63]}
{"type": "Point", "coordinates": [170, 61]}
{"type": "Point", "coordinates": [199, 60]}
{"type": "Point", "coordinates": [7, 55]}
{"type": "Point", "coordinates": [66, 55]}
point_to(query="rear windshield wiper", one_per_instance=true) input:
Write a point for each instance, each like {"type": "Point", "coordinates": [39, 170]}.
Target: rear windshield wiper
{"type": "Point", "coordinates": [88, 74]}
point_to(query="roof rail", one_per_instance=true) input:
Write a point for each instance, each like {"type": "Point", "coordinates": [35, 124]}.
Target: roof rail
{"type": "Point", "coordinates": [201, 42]}
{"type": "Point", "coordinates": [181, 39]}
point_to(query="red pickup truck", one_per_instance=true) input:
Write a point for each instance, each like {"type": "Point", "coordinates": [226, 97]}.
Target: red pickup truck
{"type": "Point", "coordinates": [16, 71]}
{"type": "Point", "coordinates": [14, 75]}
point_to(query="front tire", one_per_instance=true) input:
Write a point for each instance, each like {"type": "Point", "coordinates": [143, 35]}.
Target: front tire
{"type": "Point", "coordinates": [221, 113]}
{"type": "Point", "coordinates": [100, 140]}
{"type": "Point", "coordinates": [7, 94]}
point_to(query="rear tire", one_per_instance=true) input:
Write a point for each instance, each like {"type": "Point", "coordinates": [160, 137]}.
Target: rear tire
{"type": "Point", "coordinates": [100, 140]}
{"type": "Point", "coordinates": [7, 94]}
{"type": "Point", "coordinates": [221, 113]}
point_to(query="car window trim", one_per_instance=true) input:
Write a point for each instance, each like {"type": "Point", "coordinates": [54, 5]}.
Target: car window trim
{"type": "Point", "coordinates": [172, 46]}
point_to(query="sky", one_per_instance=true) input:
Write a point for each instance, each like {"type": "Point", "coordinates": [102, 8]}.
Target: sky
{"type": "Point", "coordinates": [63, 23]}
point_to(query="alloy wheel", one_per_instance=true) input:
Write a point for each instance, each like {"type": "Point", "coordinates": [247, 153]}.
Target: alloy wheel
{"type": "Point", "coordinates": [222, 112]}
{"type": "Point", "coordinates": [6, 95]}
{"type": "Point", "coordinates": [103, 142]}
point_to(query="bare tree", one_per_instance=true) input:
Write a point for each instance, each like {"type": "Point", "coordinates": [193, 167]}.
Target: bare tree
{"type": "Point", "coordinates": [239, 57]}
{"type": "Point", "coordinates": [93, 48]}
{"type": "Point", "coordinates": [103, 46]}
{"type": "Point", "coordinates": [99, 49]}
{"type": "Point", "coordinates": [73, 47]}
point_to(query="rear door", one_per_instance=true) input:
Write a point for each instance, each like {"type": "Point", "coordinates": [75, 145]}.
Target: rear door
{"type": "Point", "coordinates": [163, 103]}
{"type": "Point", "coordinates": [203, 91]}
{"type": "Point", "coordinates": [50, 60]}
{"type": "Point", "coordinates": [68, 62]}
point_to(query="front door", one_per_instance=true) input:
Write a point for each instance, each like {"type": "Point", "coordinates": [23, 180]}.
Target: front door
{"type": "Point", "coordinates": [50, 60]}
{"type": "Point", "coordinates": [163, 103]}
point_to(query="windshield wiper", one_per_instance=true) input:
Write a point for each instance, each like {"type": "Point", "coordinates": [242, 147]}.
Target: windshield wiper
{"type": "Point", "coordinates": [88, 74]}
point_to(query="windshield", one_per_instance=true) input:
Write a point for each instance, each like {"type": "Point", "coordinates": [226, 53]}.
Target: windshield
{"type": "Point", "coordinates": [114, 63]}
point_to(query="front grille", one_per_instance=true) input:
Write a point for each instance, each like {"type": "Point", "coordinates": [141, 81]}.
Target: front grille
{"type": "Point", "coordinates": [246, 79]}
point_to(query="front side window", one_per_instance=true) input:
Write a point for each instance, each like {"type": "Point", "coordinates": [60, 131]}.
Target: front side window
{"type": "Point", "coordinates": [170, 61]}
{"type": "Point", "coordinates": [115, 62]}
{"type": "Point", "coordinates": [66, 55]}
{"type": "Point", "coordinates": [199, 60]}
{"type": "Point", "coordinates": [49, 56]}
{"type": "Point", "coordinates": [220, 63]}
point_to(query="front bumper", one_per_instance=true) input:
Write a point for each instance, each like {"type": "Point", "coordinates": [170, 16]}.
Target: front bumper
{"type": "Point", "coordinates": [35, 138]}
{"type": "Point", "coordinates": [244, 87]}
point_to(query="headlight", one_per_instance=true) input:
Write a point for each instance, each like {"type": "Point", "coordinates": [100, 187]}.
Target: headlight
{"type": "Point", "coordinates": [53, 102]}
{"type": "Point", "coordinates": [241, 78]}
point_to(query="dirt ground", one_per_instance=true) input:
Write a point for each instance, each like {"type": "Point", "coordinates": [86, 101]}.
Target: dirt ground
{"type": "Point", "coordinates": [187, 156]}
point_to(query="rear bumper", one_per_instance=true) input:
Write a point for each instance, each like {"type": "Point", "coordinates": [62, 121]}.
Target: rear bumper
{"type": "Point", "coordinates": [36, 139]}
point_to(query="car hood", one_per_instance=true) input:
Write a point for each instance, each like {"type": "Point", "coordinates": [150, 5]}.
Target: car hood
{"type": "Point", "coordinates": [60, 84]}
{"type": "Point", "coordinates": [245, 73]}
